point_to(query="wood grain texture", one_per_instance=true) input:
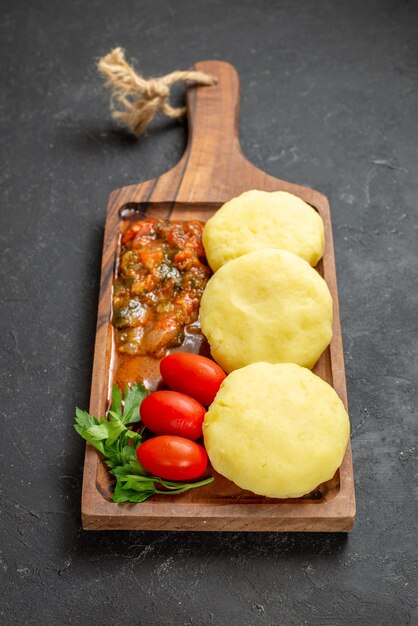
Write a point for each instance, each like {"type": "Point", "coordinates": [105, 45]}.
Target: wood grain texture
{"type": "Point", "coordinates": [211, 171]}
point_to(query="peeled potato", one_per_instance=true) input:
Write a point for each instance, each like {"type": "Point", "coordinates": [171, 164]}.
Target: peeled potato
{"type": "Point", "coordinates": [276, 429]}
{"type": "Point", "coordinates": [267, 305]}
{"type": "Point", "coordinates": [262, 219]}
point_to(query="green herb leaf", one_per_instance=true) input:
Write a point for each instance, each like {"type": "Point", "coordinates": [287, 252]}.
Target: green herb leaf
{"type": "Point", "coordinates": [84, 419]}
{"type": "Point", "coordinates": [127, 466]}
{"type": "Point", "coordinates": [132, 401]}
{"type": "Point", "coordinates": [116, 406]}
{"type": "Point", "coordinates": [137, 483]}
{"type": "Point", "coordinates": [129, 495]}
{"type": "Point", "coordinates": [89, 428]}
{"type": "Point", "coordinates": [98, 432]}
{"type": "Point", "coordinates": [132, 488]}
{"type": "Point", "coordinates": [132, 435]}
{"type": "Point", "coordinates": [114, 429]}
{"type": "Point", "coordinates": [103, 434]}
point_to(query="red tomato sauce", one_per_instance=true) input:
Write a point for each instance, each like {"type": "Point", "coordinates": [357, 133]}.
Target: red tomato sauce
{"type": "Point", "coordinates": [161, 275]}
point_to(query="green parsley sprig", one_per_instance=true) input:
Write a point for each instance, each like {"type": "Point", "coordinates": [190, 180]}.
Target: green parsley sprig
{"type": "Point", "coordinates": [118, 444]}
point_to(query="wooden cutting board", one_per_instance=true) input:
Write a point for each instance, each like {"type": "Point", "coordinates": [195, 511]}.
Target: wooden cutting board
{"type": "Point", "coordinates": [211, 171]}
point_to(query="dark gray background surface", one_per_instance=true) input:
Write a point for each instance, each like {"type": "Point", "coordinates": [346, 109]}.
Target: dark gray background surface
{"type": "Point", "coordinates": [329, 100]}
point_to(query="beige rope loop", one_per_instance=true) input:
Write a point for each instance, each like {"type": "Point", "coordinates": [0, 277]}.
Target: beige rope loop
{"type": "Point", "coordinates": [141, 99]}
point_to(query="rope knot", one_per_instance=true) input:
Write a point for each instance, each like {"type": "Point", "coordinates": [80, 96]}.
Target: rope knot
{"type": "Point", "coordinates": [155, 88]}
{"type": "Point", "coordinates": [141, 99]}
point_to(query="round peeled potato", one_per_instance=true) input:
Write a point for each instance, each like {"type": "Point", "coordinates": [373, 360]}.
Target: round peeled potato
{"type": "Point", "coordinates": [276, 429]}
{"type": "Point", "coordinates": [267, 305]}
{"type": "Point", "coordinates": [263, 219]}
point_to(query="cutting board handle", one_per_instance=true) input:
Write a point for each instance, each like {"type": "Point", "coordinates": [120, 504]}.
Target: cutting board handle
{"type": "Point", "coordinates": [213, 115]}
{"type": "Point", "coordinates": [212, 168]}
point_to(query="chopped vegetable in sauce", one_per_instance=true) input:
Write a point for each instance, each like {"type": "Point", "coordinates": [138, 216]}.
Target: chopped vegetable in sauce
{"type": "Point", "coordinates": [160, 280]}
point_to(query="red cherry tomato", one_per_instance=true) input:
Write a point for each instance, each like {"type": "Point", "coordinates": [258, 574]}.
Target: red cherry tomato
{"type": "Point", "coordinates": [173, 413]}
{"type": "Point", "coordinates": [173, 458]}
{"type": "Point", "coordinates": [193, 374]}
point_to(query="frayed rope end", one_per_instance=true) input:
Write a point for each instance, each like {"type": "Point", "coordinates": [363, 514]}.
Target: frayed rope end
{"type": "Point", "coordinates": [139, 98]}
